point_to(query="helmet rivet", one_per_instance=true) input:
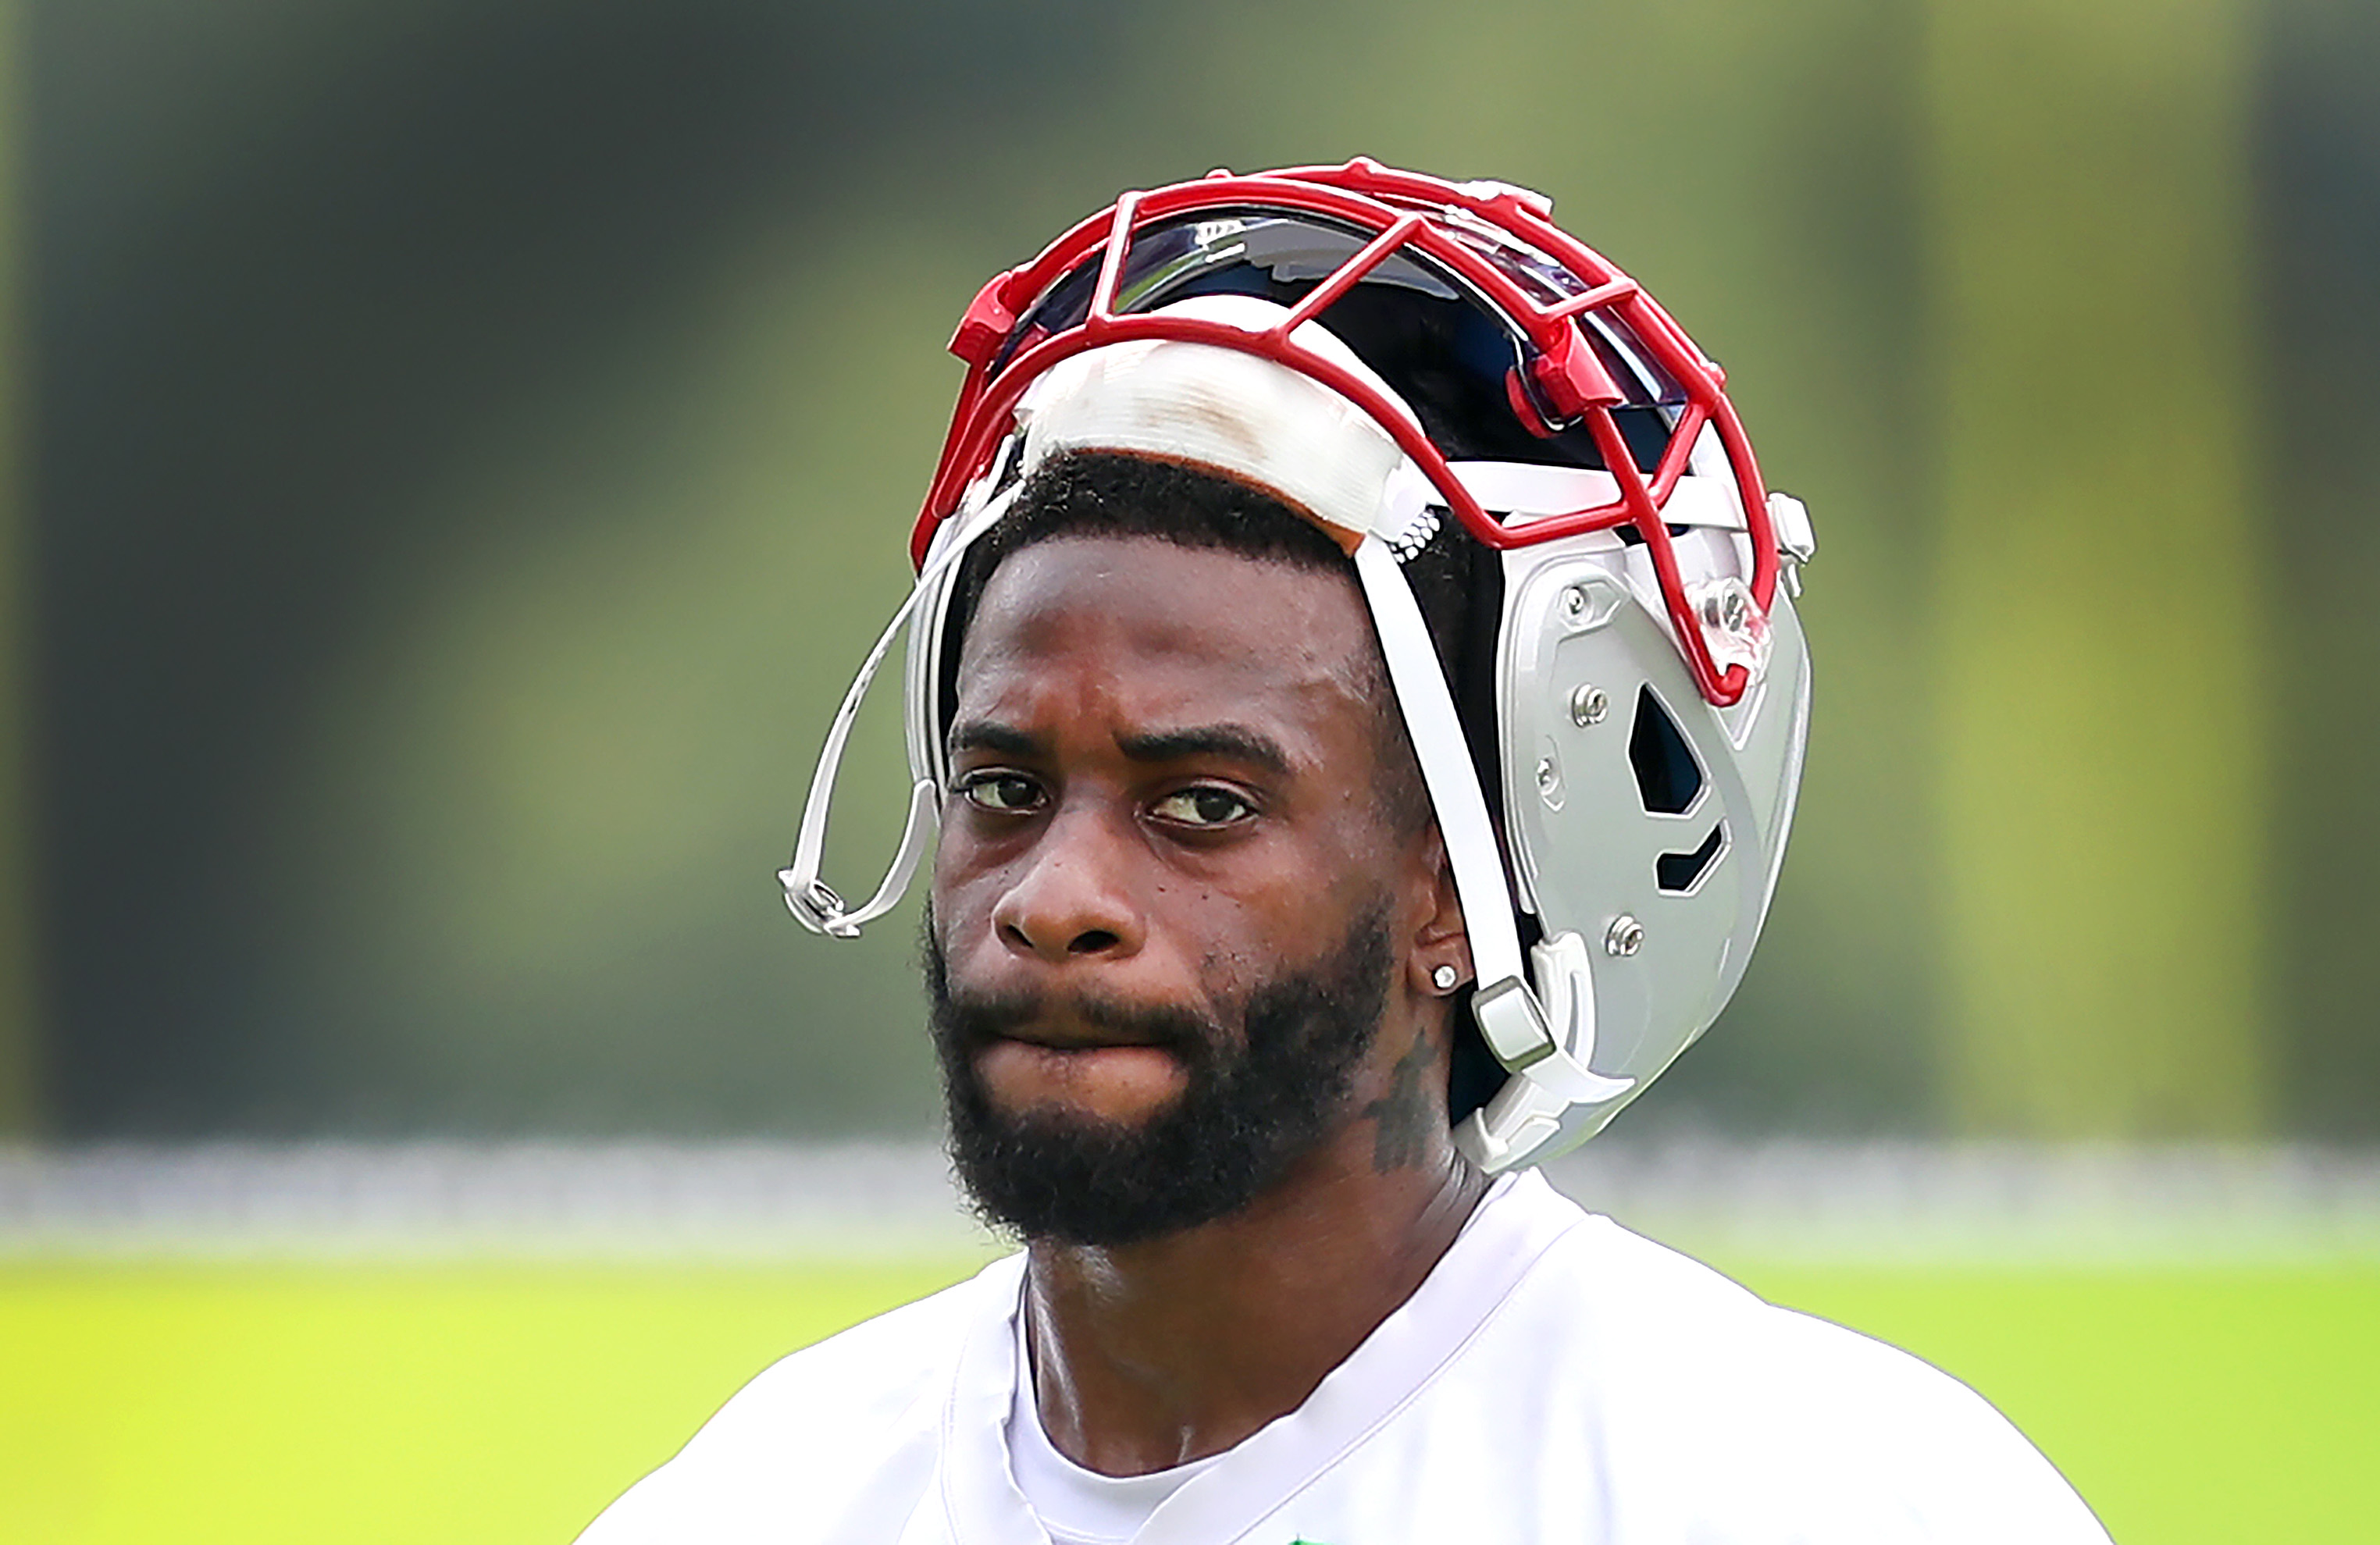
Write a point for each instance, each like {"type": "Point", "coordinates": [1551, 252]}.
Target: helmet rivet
{"type": "Point", "coordinates": [1575, 600]}
{"type": "Point", "coordinates": [1625, 937]}
{"type": "Point", "coordinates": [1546, 774]}
{"type": "Point", "coordinates": [1588, 706]}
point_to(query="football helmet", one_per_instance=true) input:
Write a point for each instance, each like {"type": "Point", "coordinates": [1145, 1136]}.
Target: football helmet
{"type": "Point", "coordinates": [1411, 363]}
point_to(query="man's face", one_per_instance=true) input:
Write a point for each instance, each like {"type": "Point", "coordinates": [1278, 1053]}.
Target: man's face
{"type": "Point", "coordinates": [1167, 900]}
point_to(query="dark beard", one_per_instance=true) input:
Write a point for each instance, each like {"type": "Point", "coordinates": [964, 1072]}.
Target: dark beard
{"type": "Point", "coordinates": [1259, 1096]}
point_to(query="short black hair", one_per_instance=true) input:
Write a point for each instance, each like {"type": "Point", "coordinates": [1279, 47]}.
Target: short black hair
{"type": "Point", "coordinates": [1112, 493]}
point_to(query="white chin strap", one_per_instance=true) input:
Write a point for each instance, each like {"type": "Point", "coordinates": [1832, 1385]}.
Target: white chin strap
{"type": "Point", "coordinates": [1544, 1045]}
{"type": "Point", "coordinates": [808, 898]}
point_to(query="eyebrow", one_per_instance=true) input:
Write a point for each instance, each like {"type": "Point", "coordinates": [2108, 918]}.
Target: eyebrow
{"type": "Point", "coordinates": [979, 734]}
{"type": "Point", "coordinates": [1236, 742]}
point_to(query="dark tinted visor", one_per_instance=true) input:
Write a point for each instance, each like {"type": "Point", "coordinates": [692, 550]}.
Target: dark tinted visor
{"type": "Point", "coordinates": [1444, 349]}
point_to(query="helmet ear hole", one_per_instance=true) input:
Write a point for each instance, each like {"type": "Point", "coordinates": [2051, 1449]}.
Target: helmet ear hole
{"type": "Point", "coordinates": [1668, 777]}
{"type": "Point", "coordinates": [1679, 873]}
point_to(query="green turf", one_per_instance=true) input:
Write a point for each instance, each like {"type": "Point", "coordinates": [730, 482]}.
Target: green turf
{"type": "Point", "coordinates": [463, 1404]}
{"type": "Point", "coordinates": [2204, 1405]}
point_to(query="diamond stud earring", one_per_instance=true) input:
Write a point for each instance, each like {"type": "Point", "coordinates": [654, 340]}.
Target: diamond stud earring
{"type": "Point", "coordinates": [1444, 978]}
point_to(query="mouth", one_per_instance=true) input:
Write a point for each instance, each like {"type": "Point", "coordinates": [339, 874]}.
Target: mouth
{"type": "Point", "coordinates": [1107, 1056]}
{"type": "Point", "coordinates": [1073, 1036]}
{"type": "Point", "coordinates": [1103, 1078]}
{"type": "Point", "coordinates": [1071, 1056]}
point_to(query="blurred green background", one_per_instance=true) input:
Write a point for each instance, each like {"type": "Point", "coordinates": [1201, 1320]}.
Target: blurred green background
{"type": "Point", "coordinates": [457, 453]}
{"type": "Point", "coordinates": [452, 456]}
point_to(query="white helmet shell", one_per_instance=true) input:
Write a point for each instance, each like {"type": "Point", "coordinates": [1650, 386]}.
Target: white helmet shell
{"type": "Point", "coordinates": [1650, 681]}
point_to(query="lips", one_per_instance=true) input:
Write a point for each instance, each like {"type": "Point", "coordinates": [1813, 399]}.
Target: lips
{"type": "Point", "coordinates": [1080, 1026]}
{"type": "Point", "coordinates": [1076, 1037]}
{"type": "Point", "coordinates": [1059, 1023]}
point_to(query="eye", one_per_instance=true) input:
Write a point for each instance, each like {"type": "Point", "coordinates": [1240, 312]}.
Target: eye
{"type": "Point", "coordinates": [1204, 806]}
{"type": "Point", "coordinates": [1004, 793]}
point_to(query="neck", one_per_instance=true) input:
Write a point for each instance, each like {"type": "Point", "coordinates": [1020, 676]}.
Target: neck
{"type": "Point", "coordinates": [1153, 1354]}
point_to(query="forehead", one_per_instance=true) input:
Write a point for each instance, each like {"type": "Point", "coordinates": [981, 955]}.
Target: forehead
{"type": "Point", "coordinates": [1150, 620]}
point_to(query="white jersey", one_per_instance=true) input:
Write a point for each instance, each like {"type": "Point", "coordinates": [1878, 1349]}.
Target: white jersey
{"type": "Point", "coordinates": [1556, 1379]}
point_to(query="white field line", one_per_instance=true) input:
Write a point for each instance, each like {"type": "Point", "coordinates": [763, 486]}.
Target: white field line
{"type": "Point", "coordinates": [1989, 1202]}
{"type": "Point", "coordinates": [762, 1201]}
{"type": "Point", "coordinates": [498, 1201]}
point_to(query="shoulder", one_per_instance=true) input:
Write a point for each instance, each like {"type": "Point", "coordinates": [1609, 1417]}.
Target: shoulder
{"type": "Point", "coordinates": [853, 1418]}
{"type": "Point", "coordinates": [1695, 1387]}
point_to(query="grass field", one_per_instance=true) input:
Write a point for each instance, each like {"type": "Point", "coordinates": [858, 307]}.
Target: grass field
{"type": "Point", "coordinates": [460, 1403]}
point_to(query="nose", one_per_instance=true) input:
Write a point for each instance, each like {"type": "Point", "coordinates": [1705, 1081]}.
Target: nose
{"type": "Point", "coordinates": [1069, 900]}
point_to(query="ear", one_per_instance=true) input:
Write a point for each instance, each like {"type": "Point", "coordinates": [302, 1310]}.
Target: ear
{"type": "Point", "coordinates": [1440, 943]}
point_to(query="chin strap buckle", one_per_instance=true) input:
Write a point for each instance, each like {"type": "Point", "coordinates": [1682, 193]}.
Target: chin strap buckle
{"type": "Point", "coordinates": [1545, 1047]}
{"type": "Point", "coordinates": [1512, 1024]}
{"type": "Point", "coordinates": [815, 905]}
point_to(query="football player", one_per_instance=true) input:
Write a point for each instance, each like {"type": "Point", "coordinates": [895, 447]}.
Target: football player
{"type": "Point", "coordinates": [1354, 673]}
